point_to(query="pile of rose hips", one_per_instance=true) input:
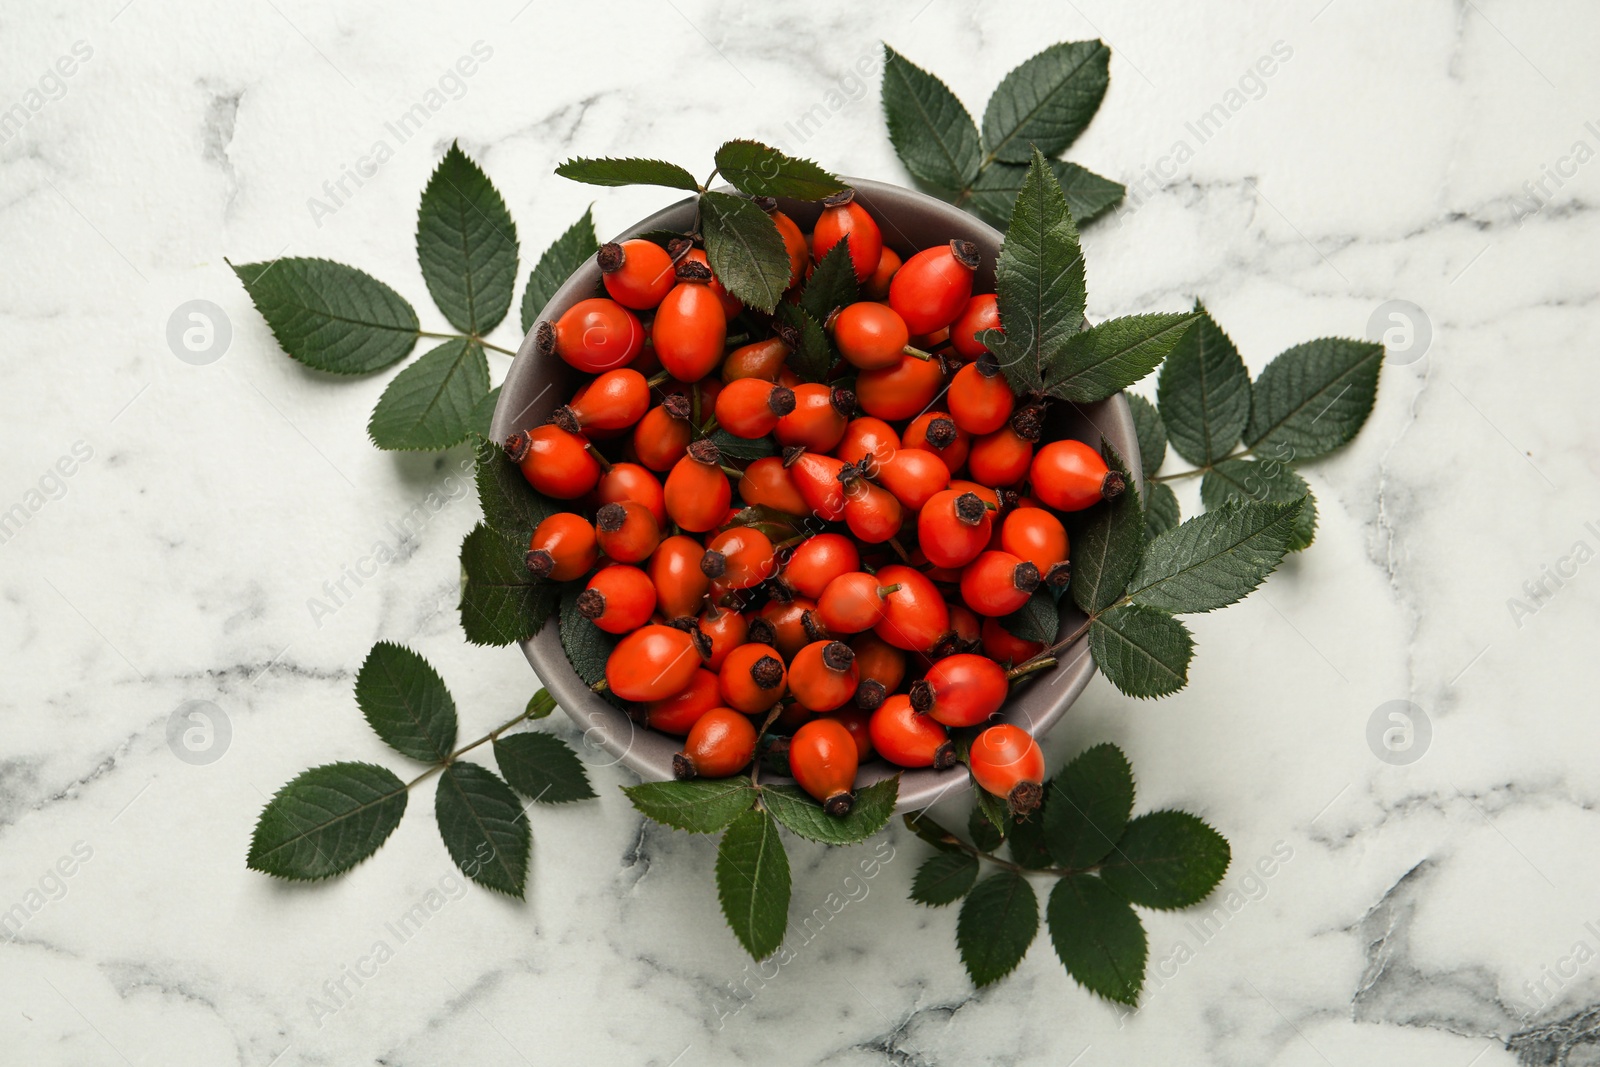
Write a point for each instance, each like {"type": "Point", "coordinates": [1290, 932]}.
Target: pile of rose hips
{"type": "Point", "coordinates": [854, 603]}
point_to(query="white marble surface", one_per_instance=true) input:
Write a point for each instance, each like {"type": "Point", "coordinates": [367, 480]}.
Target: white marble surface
{"type": "Point", "coordinates": [1420, 906]}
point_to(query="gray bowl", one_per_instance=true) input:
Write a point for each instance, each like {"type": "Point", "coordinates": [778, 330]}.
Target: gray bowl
{"type": "Point", "coordinates": [536, 384]}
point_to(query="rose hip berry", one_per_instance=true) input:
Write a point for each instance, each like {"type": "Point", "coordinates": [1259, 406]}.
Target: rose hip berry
{"type": "Point", "coordinates": [652, 663]}
{"type": "Point", "coordinates": [563, 547]}
{"type": "Point", "coordinates": [637, 274]}
{"type": "Point", "coordinates": [557, 463]}
{"type": "Point", "coordinates": [1070, 476]}
{"type": "Point", "coordinates": [593, 335]}
{"type": "Point", "coordinates": [961, 690]}
{"type": "Point", "coordinates": [618, 599]}
{"type": "Point", "coordinates": [843, 219]}
{"type": "Point", "coordinates": [1007, 762]}
{"type": "Point", "coordinates": [823, 675]}
{"type": "Point", "coordinates": [721, 743]}
{"type": "Point", "coordinates": [823, 757]}
{"type": "Point", "coordinates": [933, 286]}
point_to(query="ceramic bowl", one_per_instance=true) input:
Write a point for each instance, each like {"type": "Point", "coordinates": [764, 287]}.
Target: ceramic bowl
{"type": "Point", "coordinates": [537, 383]}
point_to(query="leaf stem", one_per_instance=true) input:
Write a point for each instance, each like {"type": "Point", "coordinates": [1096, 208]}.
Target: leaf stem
{"type": "Point", "coordinates": [1017, 868]}
{"type": "Point", "coordinates": [495, 348]}
{"type": "Point", "coordinates": [1241, 454]}
{"type": "Point", "coordinates": [451, 758]}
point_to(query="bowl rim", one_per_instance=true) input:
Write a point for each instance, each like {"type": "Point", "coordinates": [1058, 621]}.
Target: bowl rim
{"type": "Point", "coordinates": [610, 735]}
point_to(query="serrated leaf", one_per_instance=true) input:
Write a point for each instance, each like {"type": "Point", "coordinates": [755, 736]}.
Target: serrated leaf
{"type": "Point", "coordinates": [587, 646]}
{"type": "Point", "coordinates": [511, 507]}
{"type": "Point", "coordinates": [1204, 392]}
{"type": "Point", "coordinates": [745, 249]}
{"type": "Point", "coordinates": [501, 602]}
{"type": "Point", "coordinates": [1167, 859]}
{"type": "Point", "coordinates": [1141, 651]}
{"type": "Point", "coordinates": [1244, 479]}
{"type": "Point", "coordinates": [741, 448]}
{"type": "Point", "coordinates": [1105, 359]}
{"type": "Point", "coordinates": [432, 404]}
{"type": "Point", "coordinates": [931, 131]}
{"type": "Point", "coordinates": [699, 806]}
{"type": "Point", "coordinates": [813, 354]}
{"type": "Point", "coordinates": [1152, 434]}
{"type": "Point", "coordinates": [832, 285]}
{"type": "Point", "coordinates": [873, 806]}
{"type": "Point", "coordinates": [1046, 101]}
{"type": "Point", "coordinates": [1087, 805]}
{"type": "Point", "coordinates": [1088, 194]}
{"type": "Point", "coordinates": [760, 170]}
{"type": "Point", "coordinates": [483, 827]}
{"type": "Point", "coordinates": [1214, 559]}
{"type": "Point", "coordinates": [483, 414]}
{"type": "Point", "coordinates": [569, 252]}
{"type": "Point", "coordinates": [1039, 281]}
{"type": "Point", "coordinates": [920, 824]}
{"type": "Point", "coordinates": [753, 883]}
{"type": "Point", "coordinates": [327, 820]}
{"type": "Point", "coordinates": [1098, 938]}
{"type": "Point", "coordinates": [627, 171]}
{"type": "Point", "coordinates": [330, 316]}
{"type": "Point", "coordinates": [1037, 620]}
{"type": "Point", "coordinates": [466, 245]}
{"type": "Point", "coordinates": [998, 922]}
{"type": "Point", "coordinates": [1025, 839]}
{"type": "Point", "coordinates": [944, 878]}
{"type": "Point", "coordinates": [988, 820]}
{"type": "Point", "coordinates": [542, 767]}
{"type": "Point", "coordinates": [540, 705]}
{"type": "Point", "coordinates": [406, 703]}
{"type": "Point", "coordinates": [1313, 398]}
{"type": "Point", "coordinates": [1160, 509]}
{"type": "Point", "coordinates": [1106, 544]}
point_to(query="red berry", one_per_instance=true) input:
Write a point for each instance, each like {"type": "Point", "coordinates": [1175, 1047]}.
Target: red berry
{"type": "Point", "coordinates": [697, 491]}
{"type": "Point", "coordinates": [1007, 762]}
{"type": "Point", "coordinates": [1003, 647]}
{"type": "Point", "coordinates": [961, 690]}
{"type": "Point", "coordinates": [980, 399]}
{"type": "Point", "coordinates": [823, 675]}
{"type": "Point", "coordinates": [739, 558]}
{"type": "Point", "coordinates": [999, 458]}
{"type": "Point", "coordinates": [852, 603]}
{"type": "Point", "coordinates": [695, 267]}
{"type": "Point", "coordinates": [721, 743]}
{"type": "Point", "coordinates": [871, 336]}
{"type": "Point", "coordinates": [759, 359]}
{"type": "Point", "coordinates": [619, 599]}
{"type": "Point", "coordinates": [787, 623]}
{"type": "Point", "coordinates": [752, 678]}
{"type": "Point", "coordinates": [877, 286]}
{"type": "Point", "coordinates": [937, 432]}
{"type": "Point", "coordinates": [900, 391]}
{"type": "Point", "coordinates": [638, 274]}
{"type": "Point", "coordinates": [677, 713]}
{"type": "Point", "coordinates": [681, 585]}
{"type": "Point", "coordinates": [914, 477]}
{"type": "Point", "coordinates": [843, 219]}
{"type": "Point", "coordinates": [726, 629]}
{"type": "Point", "coordinates": [614, 401]}
{"type": "Point", "coordinates": [593, 335]}
{"type": "Point", "coordinates": [868, 437]}
{"type": "Point", "coordinates": [751, 408]}
{"type": "Point", "coordinates": [661, 438]}
{"type": "Point", "coordinates": [628, 532]}
{"type": "Point", "coordinates": [563, 547]}
{"type": "Point", "coordinates": [1037, 536]}
{"type": "Point", "coordinates": [794, 243]}
{"type": "Point", "coordinates": [904, 736]}
{"type": "Point", "coordinates": [953, 528]}
{"type": "Point", "coordinates": [931, 290]}
{"type": "Point", "coordinates": [818, 560]}
{"type": "Point", "coordinates": [767, 483]}
{"type": "Point", "coordinates": [818, 419]}
{"type": "Point", "coordinates": [652, 663]}
{"type": "Point", "coordinates": [688, 331]}
{"type": "Point", "coordinates": [630, 481]}
{"type": "Point", "coordinates": [914, 615]}
{"type": "Point", "coordinates": [817, 478]}
{"type": "Point", "coordinates": [1070, 476]}
{"type": "Point", "coordinates": [872, 512]}
{"type": "Point", "coordinates": [981, 313]}
{"type": "Point", "coordinates": [998, 583]}
{"type": "Point", "coordinates": [856, 724]}
{"type": "Point", "coordinates": [555, 462]}
{"type": "Point", "coordinates": [823, 758]}
{"type": "Point", "coordinates": [882, 668]}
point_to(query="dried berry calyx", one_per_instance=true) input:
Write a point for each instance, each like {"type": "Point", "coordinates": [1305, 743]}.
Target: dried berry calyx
{"type": "Point", "coordinates": [970, 508]}
{"type": "Point", "coordinates": [767, 673]}
{"type": "Point", "coordinates": [609, 258]}
{"type": "Point", "coordinates": [966, 254]}
{"type": "Point", "coordinates": [838, 656]}
{"type": "Point", "coordinates": [591, 602]}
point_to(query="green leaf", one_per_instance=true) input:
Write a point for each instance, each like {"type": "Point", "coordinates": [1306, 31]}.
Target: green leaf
{"type": "Point", "coordinates": [1047, 101]}
{"type": "Point", "coordinates": [501, 601]}
{"type": "Point", "coordinates": [813, 355]}
{"type": "Point", "coordinates": [931, 832]}
{"type": "Point", "coordinates": [1244, 479]}
{"type": "Point", "coordinates": [1160, 509]}
{"type": "Point", "coordinates": [542, 767]}
{"type": "Point", "coordinates": [733, 447]}
{"type": "Point", "coordinates": [1025, 839]}
{"type": "Point", "coordinates": [753, 883]}
{"type": "Point", "coordinates": [931, 131]}
{"type": "Point", "coordinates": [1037, 620]}
{"type": "Point", "coordinates": [1039, 280]}
{"type": "Point", "coordinates": [540, 705]}
{"type": "Point", "coordinates": [1107, 358]}
{"type": "Point", "coordinates": [1088, 194]}
{"type": "Point", "coordinates": [1097, 937]}
{"type": "Point", "coordinates": [944, 878]}
{"type": "Point", "coordinates": [759, 170]}
{"type": "Point", "coordinates": [832, 285]}
{"type": "Point", "coordinates": [745, 249]}
{"type": "Point", "coordinates": [483, 827]}
{"type": "Point", "coordinates": [1152, 434]}
{"type": "Point", "coordinates": [330, 316]}
{"type": "Point", "coordinates": [1214, 559]}
{"type": "Point", "coordinates": [630, 171]}
{"type": "Point", "coordinates": [870, 813]}
{"type": "Point", "coordinates": [1204, 392]}
{"type": "Point", "coordinates": [587, 646]}
{"type": "Point", "coordinates": [511, 507]}
{"type": "Point", "coordinates": [998, 921]}
{"type": "Point", "coordinates": [1141, 651]}
{"type": "Point", "coordinates": [1313, 398]}
{"type": "Point", "coordinates": [483, 412]}
{"type": "Point", "coordinates": [569, 252]}
{"type": "Point", "coordinates": [1087, 805]}
{"type": "Point", "coordinates": [466, 245]}
{"type": "Point", "coordinates": [1106, 545]}
{"type": "Point", "coordinates": [1167, 859]}
{"type": "Point", "coordinates": [327, 820]}
{"type": "Point", "coordinates": [406, 703]}
{"type": "Point", "coordinates": [432, 404]}
{"type": "Point", "coordinates": [701, 806]}
{"type": "Point", "coordinates": [987, 822]}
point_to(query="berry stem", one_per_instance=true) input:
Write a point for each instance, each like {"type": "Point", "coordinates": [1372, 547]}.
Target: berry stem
{"type": "Point", "coordinates": [1037, 663]}
{"type": "Point", "coordinates": [917, 353]}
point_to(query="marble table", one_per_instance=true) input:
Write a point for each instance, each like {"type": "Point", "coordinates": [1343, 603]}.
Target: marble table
{"type": "Point", "coordinates": [1429, 902]}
